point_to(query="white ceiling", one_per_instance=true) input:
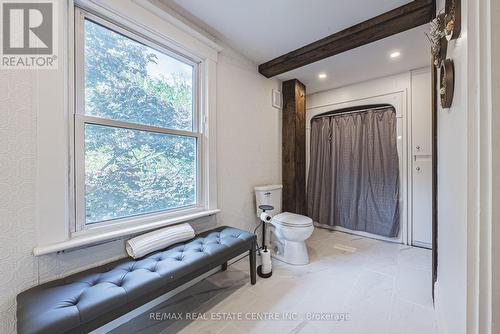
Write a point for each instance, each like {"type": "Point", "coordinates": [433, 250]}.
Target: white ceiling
{"type": "Point", "coordinates": [265, 29]}
{"type": "Point", "coordinates": [367, 62]}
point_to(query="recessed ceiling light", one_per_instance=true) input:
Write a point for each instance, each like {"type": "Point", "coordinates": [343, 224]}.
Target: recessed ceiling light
{"type": "Point", "coordinates": [395, 54]}
{"type": "Point", "coordinates": [322, 76]}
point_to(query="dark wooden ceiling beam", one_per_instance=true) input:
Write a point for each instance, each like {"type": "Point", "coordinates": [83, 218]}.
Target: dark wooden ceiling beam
{"type": "Point", "coordinates": [403, 18]}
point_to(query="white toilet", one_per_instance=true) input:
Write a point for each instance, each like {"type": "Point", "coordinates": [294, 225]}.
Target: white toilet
{"type": "Point", "coordinates": [290, 230]}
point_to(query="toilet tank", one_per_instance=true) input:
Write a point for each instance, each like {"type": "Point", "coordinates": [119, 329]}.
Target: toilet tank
{"type": "Point", "coordinates": [268, 195]}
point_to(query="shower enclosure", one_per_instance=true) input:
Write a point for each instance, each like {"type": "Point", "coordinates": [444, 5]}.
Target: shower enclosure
{"type": "Point", "coordinates": [410, 96]}
{"type": "Point", "coordinates": [353, 179]}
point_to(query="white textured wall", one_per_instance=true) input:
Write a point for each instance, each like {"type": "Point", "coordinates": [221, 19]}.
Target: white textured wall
{"type": "Point", "coordinates": [249, 153]}
{"type": "Point", "coordinates": [452, 194]}
{"type": "Point", "coordinates": [248, 138]}
{"type": "Point", "coordinates": [18, 269]}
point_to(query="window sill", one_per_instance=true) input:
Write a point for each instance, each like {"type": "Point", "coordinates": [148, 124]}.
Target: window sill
{"type": "Point", "coordinates": [88, 240]}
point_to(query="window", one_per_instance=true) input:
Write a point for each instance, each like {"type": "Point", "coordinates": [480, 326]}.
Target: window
{"type": "Point", "coordinates": [136, 126]}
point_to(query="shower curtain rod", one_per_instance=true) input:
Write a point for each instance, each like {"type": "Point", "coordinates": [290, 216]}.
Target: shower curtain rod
{"type": "Point", "coordinates": [333, 113]}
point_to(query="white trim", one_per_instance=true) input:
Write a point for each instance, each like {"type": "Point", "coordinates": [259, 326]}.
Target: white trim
{"type": "Point", "coordinates": [355, 100]}
{"type": "Point", "coordinates": [181, 40]}
{"type": "Point", "coordinates": [121, 223]}
{"type": "Point", "coordinates": [480, 198]}
{"type": "Point", "coordinates": [409, 161]}
{"type": "Point", "coordinates": [84, 119]}
{"type": "Point", "coordinates": [129, 30]}
{"type": "Point", "coordinates": [90, 239]}
{"type": "Point", "coordinates": [438, 310]}
{"type": "Point", "coordinates": [159, 9]}
{"type": "Point", "coordinates": [412, 162]}
{"type": "Point", "coordinates": [53, 111]}
{"type": "Point", "coordinates": [55, 170]}
{"type": "Point", "coordinates": [80, 120]}
{"type": "Point", "coordinates": [71, 103]}
{"type": "Point", "coordinates": [421, 244]}
{"type": "Point", "coordinates": [360, 233]}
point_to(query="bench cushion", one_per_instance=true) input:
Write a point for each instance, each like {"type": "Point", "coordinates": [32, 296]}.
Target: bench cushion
{"type": "Point", "coordinates": [68, 303]}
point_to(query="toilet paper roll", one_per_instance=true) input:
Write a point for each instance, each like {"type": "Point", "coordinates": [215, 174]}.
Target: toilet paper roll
{"type": "Point", "coordinates": [267, 266]}
{"type": "Point", "coordinates": [265, 217]}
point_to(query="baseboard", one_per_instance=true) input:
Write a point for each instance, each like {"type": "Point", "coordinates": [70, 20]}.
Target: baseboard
{"type": "Point", "coordinates": [441, 324]}
{"type": "Point", "coordinates": [397, 240]}
{"type": "Point", "coordinates": [422, 244]}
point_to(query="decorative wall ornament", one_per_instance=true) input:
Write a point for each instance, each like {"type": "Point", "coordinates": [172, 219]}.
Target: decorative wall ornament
{"type": "Point", "coordinates": [446, 83]}
{"type": "Point", "coordinates": [443, 50]}
{"type": "Point", "coordinates": [445, 27]}
{"type": "Point", "coordinates": [437, 37]}
{"type": "Point", "coordinates": [453, 22]}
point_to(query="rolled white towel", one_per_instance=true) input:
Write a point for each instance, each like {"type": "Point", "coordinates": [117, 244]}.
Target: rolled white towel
{"type": "Point", "coordinates": [147, 243]}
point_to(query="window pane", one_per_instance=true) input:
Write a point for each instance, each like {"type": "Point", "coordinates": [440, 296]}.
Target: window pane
{"type": "Point", "coordinates": [128, 81]}
{"type": "Point", "coordinates": [132, 172]}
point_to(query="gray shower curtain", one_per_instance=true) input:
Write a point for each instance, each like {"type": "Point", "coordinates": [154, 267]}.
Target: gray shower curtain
{"type": "Point", "coordinates": [353, 177]}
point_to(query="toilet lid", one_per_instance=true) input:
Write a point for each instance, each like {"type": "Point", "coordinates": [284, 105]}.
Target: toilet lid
{"type": "Point", "coordinates": [292, 219]}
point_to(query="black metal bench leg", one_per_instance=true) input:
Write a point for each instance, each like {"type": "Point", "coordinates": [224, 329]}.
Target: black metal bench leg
{"type": "Point", "coordinates": [224, 266]}
{"type": "Point", "coordinates": [253, 274]}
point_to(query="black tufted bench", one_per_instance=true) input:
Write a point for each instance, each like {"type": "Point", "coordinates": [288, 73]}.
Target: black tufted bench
{"type": "Point", "coordinates": [87, 300]}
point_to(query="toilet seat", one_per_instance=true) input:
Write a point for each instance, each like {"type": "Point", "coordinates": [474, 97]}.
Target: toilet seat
{"type": "Point", "coordinates": [288, 219]}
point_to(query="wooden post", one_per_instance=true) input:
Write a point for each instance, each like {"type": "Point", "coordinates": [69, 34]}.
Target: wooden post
{"type": "Point", "coordinates": [294, 147]}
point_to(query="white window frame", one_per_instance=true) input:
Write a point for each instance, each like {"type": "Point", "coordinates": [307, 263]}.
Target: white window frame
{"type": "Point", "coordinates": [79, 119]}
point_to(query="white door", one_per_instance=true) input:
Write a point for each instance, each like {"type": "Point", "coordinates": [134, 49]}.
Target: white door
{"type": "Point", "coordinates": [422, 202]}
{"type": "Point", "coordinates": [421, 159]}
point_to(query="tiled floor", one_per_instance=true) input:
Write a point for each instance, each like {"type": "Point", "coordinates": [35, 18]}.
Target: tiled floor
{"type": "Point", "coordinates": [382, 288]}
